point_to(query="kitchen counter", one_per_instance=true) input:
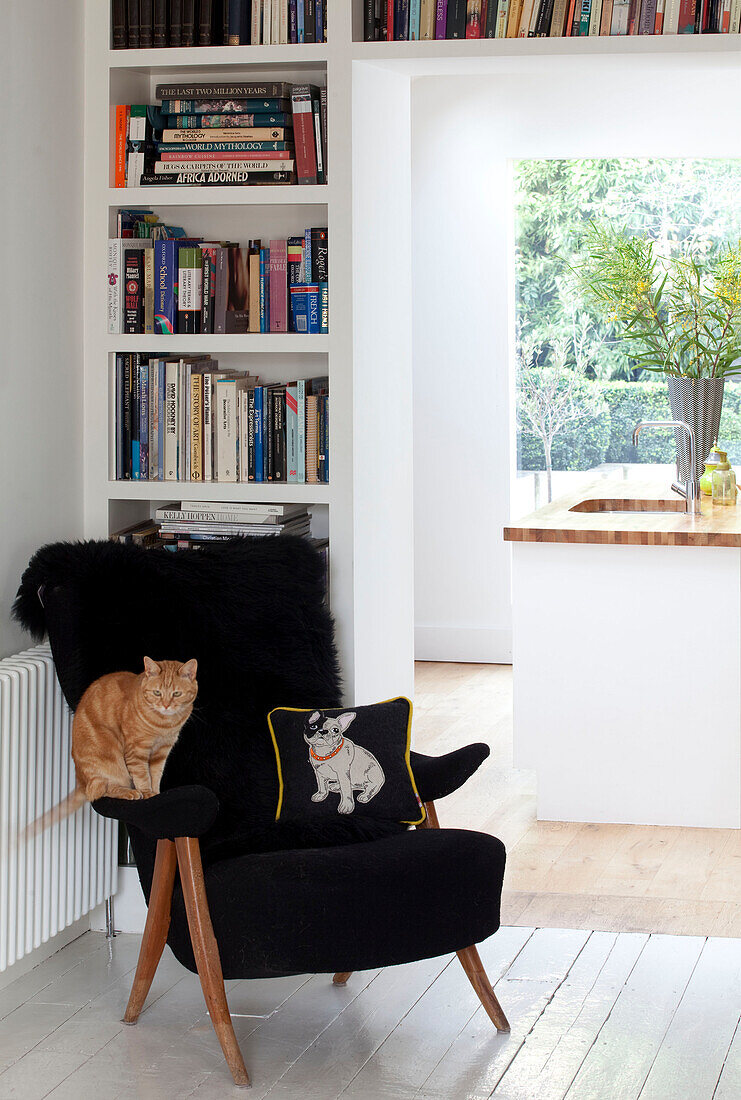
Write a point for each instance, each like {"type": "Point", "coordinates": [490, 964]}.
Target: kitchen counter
{"type": "Point", "coordinates": [627, 657]}
{"type": "Point", "coordinates": [585, 516]}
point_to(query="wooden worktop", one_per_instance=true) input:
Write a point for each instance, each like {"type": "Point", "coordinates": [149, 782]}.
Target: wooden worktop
{"type": "Point", "coordinates": [584, 516]}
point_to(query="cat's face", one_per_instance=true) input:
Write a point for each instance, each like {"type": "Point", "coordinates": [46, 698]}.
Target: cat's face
{"type": "Point", "coordinates": [169, 687]}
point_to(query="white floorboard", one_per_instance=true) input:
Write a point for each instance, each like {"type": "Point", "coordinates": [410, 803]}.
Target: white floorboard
{"type": "Point", "coordinates": [595, 1016]}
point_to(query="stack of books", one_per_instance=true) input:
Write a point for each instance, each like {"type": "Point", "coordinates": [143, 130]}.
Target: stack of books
{"type": "Point", "coordinates": [223, 134]}
{"type": "Point", "coordinates": [185, 419]}
{"type": "Point", "coordinates": [193, 521]}
{"type": "Point", "coordinates": [142, 24]}
{"type": "Point", "coordinates": [406, 20]}
{"type": "Point", "coordinates": [161, 282]}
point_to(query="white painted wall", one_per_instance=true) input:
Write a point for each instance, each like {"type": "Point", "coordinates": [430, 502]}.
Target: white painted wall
{"type": "Point", "coordinates": [464, 132]}
{"type": "Point", "coordinates": [41, 59]}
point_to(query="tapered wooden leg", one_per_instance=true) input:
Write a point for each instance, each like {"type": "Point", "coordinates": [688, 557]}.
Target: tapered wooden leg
{"type": "Point", "coordinates": [341, 977]}
{"type": "Point", "coordinates": [474, 968]}
{"type": "Point", "coordinates": [206, 953]}
{"type": "Point", "coordinates": [469, 956]}
{"type": "Point", "coordinates": [155, 930]}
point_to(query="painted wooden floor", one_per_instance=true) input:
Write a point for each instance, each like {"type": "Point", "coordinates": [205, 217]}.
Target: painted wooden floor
{"type": "Point", "coordinates": [609, 877]}
{"type": "Point", "coordinates": [595, 1016]}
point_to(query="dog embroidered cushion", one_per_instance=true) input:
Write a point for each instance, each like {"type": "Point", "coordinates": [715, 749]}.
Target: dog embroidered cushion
{"type": "Point", "coordinates": [345, 762]}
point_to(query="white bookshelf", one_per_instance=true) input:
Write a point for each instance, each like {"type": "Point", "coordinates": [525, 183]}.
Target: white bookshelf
{"type": "Point", "coordinates": [367, 507]}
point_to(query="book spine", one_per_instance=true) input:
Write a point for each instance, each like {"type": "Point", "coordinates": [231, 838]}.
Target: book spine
{"type": "Point", "coordinates": [596, 14]}
{"type": "Point", "coordinates": [176, 25]}
{"type": "Point", "coordinates": [134, 38]}
{"type": "Point", "coordinates": [441, 18]}
{"type": "Point", "coordinates": [318, 143]}
{"type": "Point", "coordinates": [401, 20]}
{"type": "Point", "coordinates": [208, 427]}
{"type": "Point", "coordinates": [301, 21]}
{"type": "Point", "coordinates": [293, 21]}
{"type": "Point", "coordinates": [118, 25]}
{"type": "Point", "coordinates": [456, 24]}
{"type": "Point", "coordinates": [133, 286]}
{"type": "Point", "coordinates": [301, 431]}
{"type": "Point", "coordinates": [314, 310]}
{"type": "Point", "coordinates": [135, 404]}
{"type": "Point", "coordinates": [268, 432]}
{"type": "Point", "coordinates": [250, 415]}
{"type": "Point", "coordinates": [279, 434]}
{"type": "Point", "coordinates": [143, 420]}
{"type": "Point", "coordinates": [473, 19]}
{"type": "Point", "coordinates": [171, 421]}
{"type": "Point", "coordinates": [221, 292]}
{"type": "Point", "coordinates": [226, 430]}
{"type": "Point", "coordinates": [256, 23]}
{"type": "Point", "coordinates": [165, 312]}
{"type": "Point", "coordinates": [120, 464]}
{"type": "Point", "coordinates": [275, 89]}
{"type": "Point", "coordinates": [148, 260]}
{"type": "Point", "coordinates": [252, 168]}
{"type": "Point", "coordinates": [235, 149]}
{"type": "Point", "coordinates": [278, 287]}
{"type": "Point", "coordinates": [121, 125]}
{"type": "Point", "coordinates": [263, 289]}
{"type": "Point", "coordinates": [161, 424]}
{"type": "Point", "coordinates": [146, 23]}
{"type": "Point", "coordinates": [500, 30]}
{"type": "Point", "coordinates": [205, 17]}
{"type": "Point", "coordinates": [369, 21]}
{"type": "Point", "coordinates": [647, 17]}
{"type": "Point", "coordinates": [153, 415]}
{"type": "Point", "coordinates": [196, 427]}
{"type": "Point", "coordinates": [321, 439]}
{"type": "Point", "coordinates": [207, 286]}
{"type": "Point", "coordinates": [323, 118]}
{"type": "Point", "coordinates": [682, 18]}
{"type": "Point", "coordinates": [734, 17]}
{"type": "Point", "coordinates": [159, 31]}
{"type": "Point", "coordinates": [219, 134]}
{"type": "Point", "coordinates": [259, 458]}
{"type": "Point", "coordinates": [292, 433]}
{"type": "Point", "coordinates": [244, 120]}
{"type": "Point", "coordinates": [185, 432]}
{"type": "Point", "coordinates": [310, 20]}
{"type": "Point", "coordinates": [427, 20]}
{"type": "Point", "coordinates": [606, 18]}
{"type": "Point", "coordinates": [619, 25]}
{"type": "Point", "coordinates": [189, 23]}
{"type": "Point", "coordinates": [634, 9]}
{"type": "Point", "coordinates": [303, 130]}
{"type": "Point", "coordinates": [253, 307]}
{"type": "Point", "coordinates": [115, 284]}
{"type": "Point", "coordinates": [324, 308]}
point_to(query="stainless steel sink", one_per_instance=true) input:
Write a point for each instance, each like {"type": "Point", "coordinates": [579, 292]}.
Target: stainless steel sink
{"type": "Point", "coordinates": [635, 506]}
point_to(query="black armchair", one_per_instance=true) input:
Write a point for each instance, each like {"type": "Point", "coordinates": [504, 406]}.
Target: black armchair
{"type": "Point", "coordinates": [254, 898]}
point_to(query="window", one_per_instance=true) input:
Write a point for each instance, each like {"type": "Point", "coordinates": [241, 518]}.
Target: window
{"type": "Point", "coordinates": [578, 393]}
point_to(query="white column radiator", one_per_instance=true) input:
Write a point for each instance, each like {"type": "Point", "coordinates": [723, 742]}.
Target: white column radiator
{"type": "Point", "coordinates": [51, 880]}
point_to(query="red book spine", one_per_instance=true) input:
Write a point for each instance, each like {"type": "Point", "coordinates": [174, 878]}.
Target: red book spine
{"type": "Point", "coordinates": [390, 21]}
{"type": "Point", "coordinates": [687, 9]}
{"type": "Point", "coordinates": [303, 134]}
{"type": "Point", "coordinates": [570, 20]}
{"type": "Point", "coordinates": [473, 19]}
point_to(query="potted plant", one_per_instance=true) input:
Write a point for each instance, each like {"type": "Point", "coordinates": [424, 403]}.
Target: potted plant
{"type": "Point", "coordinates": [680, 317]}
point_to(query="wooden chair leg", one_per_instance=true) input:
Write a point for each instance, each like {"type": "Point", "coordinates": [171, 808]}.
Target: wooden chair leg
{"type": "Point", "coordinates": [469, 956]}
{"type": "Point", "coordinates": [155, 930]}
{"type": "Point", "coordinates": [206, 953]}
{"type": "Point", "coordinates": [341, 977]}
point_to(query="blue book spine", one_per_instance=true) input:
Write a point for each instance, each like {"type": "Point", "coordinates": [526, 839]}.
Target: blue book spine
{"type": "Point", "coordinates": [135, 418]}
{"type": "Point", "coordinates": [324, 307]}
{"type": "Point", "coordinates": [415, 13]}
{"type": "Point", "coordinates": [293, 21]}
{"type": "Point", "coordinates": [314, 309]}
{"type": "Point", "coordinates": [161, 421]}
{"type": "Point", "coordinates": [144, 421]}
{"type": "Point", "coordinates": [165, 303]}
{"type": "Point", "coordinates": [319, 21]}
{"type": "Point", "coordinates": [300, 19]}
{"type": "Point", "coordinates": [258, 434]}
{"type": "Point", "coordinates": [120, 464]}
{"type": "Point", "coordinates": [401, 20]}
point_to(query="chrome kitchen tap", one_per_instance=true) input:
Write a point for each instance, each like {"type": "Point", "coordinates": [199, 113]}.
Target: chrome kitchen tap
{"type": "Point", "coordinates": [691, 489]}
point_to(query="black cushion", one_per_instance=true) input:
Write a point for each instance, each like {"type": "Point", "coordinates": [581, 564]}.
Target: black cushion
{"type": "Point", "coordinates": [412, 896]}
{"type": "Point", "coordinates": [345, 761]}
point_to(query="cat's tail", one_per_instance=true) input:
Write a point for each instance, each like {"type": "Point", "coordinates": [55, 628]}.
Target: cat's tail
{"type": "Point", "coordinates": [62, 810]}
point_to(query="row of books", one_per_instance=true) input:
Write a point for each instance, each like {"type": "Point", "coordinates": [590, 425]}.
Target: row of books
{"type": "Point", "coordinates": [142, 24]}
{"type": "Point", "coordinates": [407, 20]}
{"type": "Point", "coordinates": [178, 284]}
{"type": "Point", "coordinates": [185, 419]}
{"type": "Point", "coordinates": [215, 134]}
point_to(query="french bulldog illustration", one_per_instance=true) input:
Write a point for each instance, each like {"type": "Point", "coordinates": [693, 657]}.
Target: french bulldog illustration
{"type": "Point", "coordinates": [339, 764]}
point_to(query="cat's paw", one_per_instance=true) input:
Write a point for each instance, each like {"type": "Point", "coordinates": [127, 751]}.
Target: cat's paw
{"type": "Point", "coordinates": [127, 793]}
{"type": "Point", "coordinates": [345, 807]}
{"type": "Point", "coordinates": [146, 792]}
{"type": "Point", "coordinates": [319, 796]}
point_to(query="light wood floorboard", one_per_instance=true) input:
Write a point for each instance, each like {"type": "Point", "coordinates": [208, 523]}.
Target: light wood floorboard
{"type": "Point", "coordinates": [632, 878]}
{"type": "Point", "coordinates": [595, 1016]}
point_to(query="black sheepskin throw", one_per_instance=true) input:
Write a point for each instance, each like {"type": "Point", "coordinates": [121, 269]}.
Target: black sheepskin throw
{"type": "Point", "coordinates": [250, 610]}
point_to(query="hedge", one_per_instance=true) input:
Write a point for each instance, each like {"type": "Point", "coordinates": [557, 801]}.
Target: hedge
{"type": "Point", "coordinates": [607, 437]}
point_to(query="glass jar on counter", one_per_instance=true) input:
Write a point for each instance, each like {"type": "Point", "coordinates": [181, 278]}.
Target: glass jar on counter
{"type": "Point", "coordinates": [724, 484]}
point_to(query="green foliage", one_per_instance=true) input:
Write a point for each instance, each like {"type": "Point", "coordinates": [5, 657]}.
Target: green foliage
{"type": "Point", "coordinates": [628, 403]}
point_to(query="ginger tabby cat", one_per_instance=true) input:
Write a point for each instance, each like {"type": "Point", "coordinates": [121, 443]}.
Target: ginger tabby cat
{"type": "Point", "coordinates": [124, 728]}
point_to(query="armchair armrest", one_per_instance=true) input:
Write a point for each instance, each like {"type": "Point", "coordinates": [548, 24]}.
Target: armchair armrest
{"type": "Point", "coordinates": [180, 811]}
{"type": "Point", "coordinates": [437, 776]}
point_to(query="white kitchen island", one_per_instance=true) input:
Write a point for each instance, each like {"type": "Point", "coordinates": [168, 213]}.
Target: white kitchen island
{"type": "Point", "coordinates": [627, 657]}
